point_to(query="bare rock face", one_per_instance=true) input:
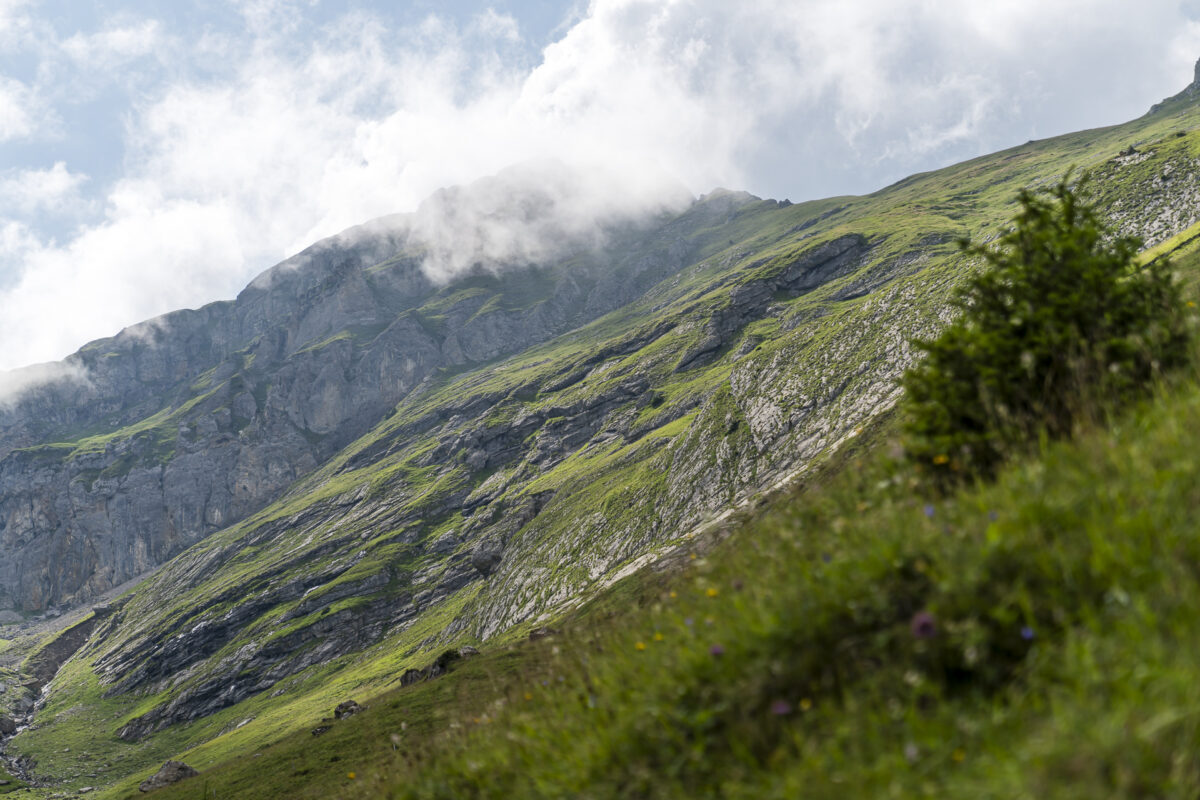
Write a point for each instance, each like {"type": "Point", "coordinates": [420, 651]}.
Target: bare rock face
{"type": "Point", "coordinates": [203, 417]}
{"type": "Point", "coordinates": [171, 772]}
{"type": "Point", "coordinates": [146, 443]}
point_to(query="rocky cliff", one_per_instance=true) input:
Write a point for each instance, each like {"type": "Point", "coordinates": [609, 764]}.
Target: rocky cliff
{"type": "Point", "coordinates": [180, 426]}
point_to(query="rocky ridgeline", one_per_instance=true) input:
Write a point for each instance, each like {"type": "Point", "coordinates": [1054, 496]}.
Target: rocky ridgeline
{"type": "Point", "coordinates": [185, 424]}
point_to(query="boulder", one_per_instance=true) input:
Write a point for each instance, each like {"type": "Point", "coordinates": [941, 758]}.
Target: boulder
{"type": "Point", "coordinates": [346, 710]}
{"type": "Point", "coordinates": [171, 772]}
{"type": "Point", "coordinates": [8, 725]}
{"type": "Point", "coordinates": [412, 675]}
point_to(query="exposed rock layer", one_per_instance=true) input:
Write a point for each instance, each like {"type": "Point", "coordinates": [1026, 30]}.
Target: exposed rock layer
{"type": "Point", "coordinates": [205, 416]}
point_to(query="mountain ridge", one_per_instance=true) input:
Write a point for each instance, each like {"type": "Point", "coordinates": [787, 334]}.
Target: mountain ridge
{"type": "Point", "coordinates": [282, 319]}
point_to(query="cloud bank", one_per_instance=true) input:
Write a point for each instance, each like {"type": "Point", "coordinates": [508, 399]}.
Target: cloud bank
{"type": "Point", "coordinates": [244, 144]}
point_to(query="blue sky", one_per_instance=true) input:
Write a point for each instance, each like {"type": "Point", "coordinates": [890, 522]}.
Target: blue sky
{"type": "Point", "coordinates": [159, 155]}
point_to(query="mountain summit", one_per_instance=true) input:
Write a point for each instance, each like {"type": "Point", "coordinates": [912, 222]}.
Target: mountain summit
{"type": "Point", "coordinates": [1189, 93]}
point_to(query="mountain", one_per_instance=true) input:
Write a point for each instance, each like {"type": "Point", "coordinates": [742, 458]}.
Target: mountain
{"type": "Point", "coordinates": [355, 466]}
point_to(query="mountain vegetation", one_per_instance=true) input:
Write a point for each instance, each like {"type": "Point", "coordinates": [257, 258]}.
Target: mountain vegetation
{"type": "Point", "coordinates": [402, 532]}
{"type": "Point", "coordinates": [1018, 639]}
{"type": "Point", "coordinates": [1061, 320]}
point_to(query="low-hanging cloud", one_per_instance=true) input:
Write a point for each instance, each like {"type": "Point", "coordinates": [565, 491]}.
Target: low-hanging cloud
{"type": "Point", "coordinates": [257, 142]}
{"type": "Point", "coordinates": [531, 213]}
{"type": "Point", "coordinates": [15, 384]}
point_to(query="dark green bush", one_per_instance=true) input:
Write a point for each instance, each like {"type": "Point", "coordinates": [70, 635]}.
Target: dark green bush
{"type": "Point", "coordinates": [1062, 321]}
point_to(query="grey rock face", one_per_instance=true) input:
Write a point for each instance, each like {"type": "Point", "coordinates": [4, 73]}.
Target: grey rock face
{"type": "Point", "coordinates": [206, 416]}
{"type": "Point", "coordinates": [213, 413]}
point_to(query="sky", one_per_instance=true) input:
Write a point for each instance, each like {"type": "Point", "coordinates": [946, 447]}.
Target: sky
{"type": "Point", "coordinates": [156, 156]}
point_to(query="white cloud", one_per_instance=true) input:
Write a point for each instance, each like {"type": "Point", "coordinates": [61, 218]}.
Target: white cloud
{"type": "Point", "coordinates": [258, 142]}
{"type": "Point", "coordinates": [143, 259]}
{"type": "Point", "coordinates": [17, 110]}
{"type": "Point", "coordinates": [14, 384]}
{"type": "Point", "coordinates": [109, 48]}
{"type": "Point", "coordinates": [530, 213]}
{"type": "Point", "coordinates": [27, 191]}
{"type": "Point", "coordinates": [13, 21]}
{"type": "Point", "coordinates": [492, 23]}
{"type": "Point", "coordinates": [16, 240]}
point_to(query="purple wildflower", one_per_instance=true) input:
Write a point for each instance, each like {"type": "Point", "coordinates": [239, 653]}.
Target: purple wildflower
{"type": "Point", "coordinates": [1027, 633]}
{"type": "Point", "coordinates": [993, 516]}
{"type": "Point", "coordinates": [781, 708]}
{"type": "Point", "coordinates": [689, 621]}
{"type": "Point", "coordinates": [923, 625]}
{"type": "Point", "coordinates": [716, 650]}
{"type": "Point", "coordinates": [826, 557]}
{"type": "Point", "coordinates": [929, 510]}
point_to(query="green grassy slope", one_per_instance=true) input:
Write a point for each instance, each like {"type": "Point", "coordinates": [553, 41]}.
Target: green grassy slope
{"type": "Point", "coordinates": [825, 358]}
{"type": "Point", "coordinates": [786, 664]}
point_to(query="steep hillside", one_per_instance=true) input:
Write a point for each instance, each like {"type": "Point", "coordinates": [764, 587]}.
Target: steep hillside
{"type": "Point", "coordinates": [1021, 639]}
{"type": "Point", "coordinates": [410, 467]}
